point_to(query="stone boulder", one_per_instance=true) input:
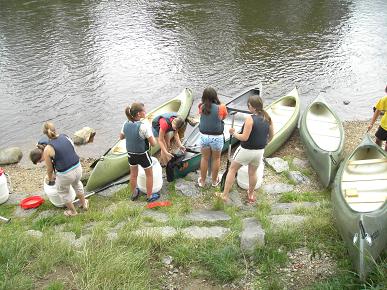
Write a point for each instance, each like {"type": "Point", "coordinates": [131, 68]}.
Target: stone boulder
{"type": "Point", "coordinates": [84, 136]}
{"type": "Point", "coordinates": [10, 155]}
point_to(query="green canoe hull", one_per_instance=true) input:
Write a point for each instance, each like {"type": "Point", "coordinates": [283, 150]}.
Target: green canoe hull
{"type": "Point", "coordinates": [362, 224]}
{"type": "Point", "coordinates": [322, 134]}
{"type": "Point", "coordinates": [114, 164]}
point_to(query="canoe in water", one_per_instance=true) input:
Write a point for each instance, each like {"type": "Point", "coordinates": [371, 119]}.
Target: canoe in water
{"type": "Point", "coordinates": [114, 164]}
{"type": "Point", "coordinates": [322, 134]}
{"type": "Point", "coordinates": [359, 204]}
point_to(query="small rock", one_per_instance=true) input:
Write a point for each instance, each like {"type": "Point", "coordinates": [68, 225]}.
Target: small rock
{"type": "Point", "coordinates": [35, 234]}
{"type": "Point", "coordinates": [278, 164]}
{"type": "Point", "coordinates": [346, 102]}
{"type": "Point", "coordinates": [167, 260]}
{"type": "Point", "coordinates": [84, 136]}
{"type": "Point", "coordinates": [208, 216]}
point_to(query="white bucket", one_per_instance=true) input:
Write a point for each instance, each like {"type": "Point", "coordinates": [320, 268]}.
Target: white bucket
{"type": "Point", "coordinates": [157, 177]}
{"type": "Point", "coordinates": [243, 176]}
{"type": "Point", "coordinates": [4, 190]}
{"type": "Point", "coordinates": [53, 195]}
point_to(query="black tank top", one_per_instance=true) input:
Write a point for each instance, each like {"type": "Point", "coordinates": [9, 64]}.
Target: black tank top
{"type": "Point", "coordinates": [259, 134]}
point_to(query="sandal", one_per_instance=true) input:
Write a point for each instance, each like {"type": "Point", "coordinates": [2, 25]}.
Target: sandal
{"type": "Point", "coordinates": [251, 198]}
{"type": "Point", "coordinates": [86, 206]}
{"type": "Point", "coordinates": [69, 213]}
{"type": "Point", "coordinates": [153, 197]}
{"type": "Point", "coordinates": [217, 182]}
{"type": "Point", "coordinates": [135, 195]}
{"type": "Point", "coordinates": [201, 185]}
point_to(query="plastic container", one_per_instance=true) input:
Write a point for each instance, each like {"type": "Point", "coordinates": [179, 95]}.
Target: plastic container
{"type": "Point", "coordinates": [53, 195]}
{"type": "Point", "coordinates": [157, 177]}
{"type": "Point", "coordinates": [4, 190]}
{"type": "Point", "coordinates": [243, 176]}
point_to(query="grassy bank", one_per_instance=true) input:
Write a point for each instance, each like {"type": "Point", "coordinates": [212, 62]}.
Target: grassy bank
{"type": "Point", "coordinates": [308, 256]}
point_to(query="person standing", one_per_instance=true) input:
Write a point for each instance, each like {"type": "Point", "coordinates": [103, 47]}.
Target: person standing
{"type": "Point", "coordinates": [257, 131]}
{"type": "Point", "coordinates": [63, 168]}
{"type": "Point", "coordinates": [211, 126]}
{"type": "Point", "coordinates": [381, 133]}
{"type": "Point", "coordinates": [138, 136]}
{"type": "Point", "coordinates": [161, 126]}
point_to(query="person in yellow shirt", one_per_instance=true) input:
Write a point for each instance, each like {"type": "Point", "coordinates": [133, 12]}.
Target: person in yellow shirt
{"type": "Point", "coordinates": [381, 133]}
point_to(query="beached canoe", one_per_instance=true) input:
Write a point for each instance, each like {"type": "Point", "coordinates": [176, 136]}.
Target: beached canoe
{"type": "Point", "coordinates": [114, 164]}
{"type": "Point", "coordinates": [284, 113]}
{"type": "Point", "coordinates": [322, 134]}
{"type": "Point", "coordinates": [359, 204]}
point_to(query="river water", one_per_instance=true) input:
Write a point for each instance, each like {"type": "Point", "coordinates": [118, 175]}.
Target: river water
{"type": "Point", "coordinates": [79, 63]}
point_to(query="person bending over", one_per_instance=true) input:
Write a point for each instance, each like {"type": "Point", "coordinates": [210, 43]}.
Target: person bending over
{"type": "Point", "coordinates": [161, 126]}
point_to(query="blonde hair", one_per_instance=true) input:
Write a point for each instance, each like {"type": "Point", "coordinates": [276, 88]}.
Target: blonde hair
{"type": "Point", "coordinates": [49, 130]}
{"type": "Point", "coordinates": [178, 122]}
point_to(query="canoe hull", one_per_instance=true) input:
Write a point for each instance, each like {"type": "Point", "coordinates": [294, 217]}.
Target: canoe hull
{"type": "Point", "coordinates": [364, 233]}
{"type": "Point", "coordinates": [324, 158]}
{"type": "Point", "coordinates": [115, 164]}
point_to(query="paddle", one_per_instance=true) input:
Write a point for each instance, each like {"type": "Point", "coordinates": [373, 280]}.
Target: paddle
{"type": "Point", "coordinates": [223, 180]}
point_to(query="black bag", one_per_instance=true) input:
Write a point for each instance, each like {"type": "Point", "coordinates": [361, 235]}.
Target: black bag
{"type": "Point", "coordinates": [175, 161]}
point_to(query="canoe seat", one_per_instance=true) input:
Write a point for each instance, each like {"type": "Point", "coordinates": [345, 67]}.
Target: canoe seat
{"type": "Point", "coordinates": [366, 161]}
{"type": "Point", "coordinates": [351, 192]}
{"type": "Point", "coordinates": [330, 121]}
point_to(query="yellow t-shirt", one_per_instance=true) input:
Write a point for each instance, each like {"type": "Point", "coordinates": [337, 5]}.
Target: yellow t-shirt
{"type": "Point", "coordinates": [381, 105]}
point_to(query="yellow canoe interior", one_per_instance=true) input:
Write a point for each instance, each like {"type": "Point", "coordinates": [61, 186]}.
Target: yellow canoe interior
{"type": "Point", "coordinates": [364, 181]}
{"type": "Point", "coordinates": [323, 127]}
{"type": "Point", "coordinates": [172, 106]}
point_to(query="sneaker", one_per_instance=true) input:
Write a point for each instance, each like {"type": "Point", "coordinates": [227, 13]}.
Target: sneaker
{"type": "Point", "coordinates": [135, 195]}
{"type": "Point", "coordinates": [153, 197]}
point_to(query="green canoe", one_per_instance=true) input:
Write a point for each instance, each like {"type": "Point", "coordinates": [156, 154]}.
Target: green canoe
{"type": "Point", "coordinates": [322, 134]}
{"type": "Point", "coordinates": [359, 204]}
{"type": "Point", "coordinates": [284, 113]}
{"type": "Point", "coordinates": [114, 164]}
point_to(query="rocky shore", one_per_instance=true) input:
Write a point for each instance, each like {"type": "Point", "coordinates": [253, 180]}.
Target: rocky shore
{"type": "Point", "coordinates": [29, 178]}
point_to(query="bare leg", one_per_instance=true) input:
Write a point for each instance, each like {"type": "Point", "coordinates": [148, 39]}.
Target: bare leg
{"type": "Point", "coordinates": [206, 152]}
{"type": "Point", "coordinates": [378, 142]}
{"type": "Point", "coordinates": [82, 200]}
{"type": "Point", "coordinates": [149, 181]}
{"type": "Point", "coordinates": [230, 178]}
{"type": "Point", "coordinates": [71, 206]}
{"type": "Point", "coordinates": [133, 177]}
{"type": "Point", "coordinates": [215, 166]}
{"type": "Point", "coordinates": [252, 171]}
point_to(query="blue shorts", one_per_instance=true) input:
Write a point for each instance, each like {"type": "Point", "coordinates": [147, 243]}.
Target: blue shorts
{"type": "Point", "coordinates": [215, 142]}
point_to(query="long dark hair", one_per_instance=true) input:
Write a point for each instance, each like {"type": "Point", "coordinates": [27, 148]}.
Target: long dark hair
{"type": "Point", "coordinates": [256, 102]}
{"type": "Point", "coordinates": [209, 97]}
{"type": "Point", "coordinates": [132, 111]}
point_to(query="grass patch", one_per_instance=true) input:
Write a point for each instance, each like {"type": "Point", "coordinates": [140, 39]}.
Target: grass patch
{"type": "Point", "coordinates": [301, 197]}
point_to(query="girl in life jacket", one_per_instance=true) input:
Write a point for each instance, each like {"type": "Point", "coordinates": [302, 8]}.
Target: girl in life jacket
{"type": "Point", "coordinates": [163, 124]}
{"type": "Point", "coordinates": [257, 131]}
{"type": "Point", "coordinates": [138, 136]}
{"type": "Point", "coordinates": [211, 126]}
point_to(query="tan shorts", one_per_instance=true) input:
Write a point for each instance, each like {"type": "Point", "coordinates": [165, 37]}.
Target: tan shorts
{"type": "Point", "coordinates": [64, 180]}
{"type": "Point", "coordinates": [248, 156]}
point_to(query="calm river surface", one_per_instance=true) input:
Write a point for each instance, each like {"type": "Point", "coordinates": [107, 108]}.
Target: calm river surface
{"type": "Point", "coordinates": [79, 63]}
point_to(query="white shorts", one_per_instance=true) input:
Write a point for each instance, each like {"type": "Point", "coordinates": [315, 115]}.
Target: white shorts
{"type": "Point", "coordinates": [64, 180]}
{"type": "Point", "coordinates": [248, 156]}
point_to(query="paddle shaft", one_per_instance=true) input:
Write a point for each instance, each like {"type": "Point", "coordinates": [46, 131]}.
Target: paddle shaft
{"type": "Point", "coordinates": [102, 189]}
{"type": "Point", "coordinates": [92, 165]}
{"type": "Point", "coordinates": [223, 180]}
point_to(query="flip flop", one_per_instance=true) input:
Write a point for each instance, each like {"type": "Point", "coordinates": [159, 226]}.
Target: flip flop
{"type": "Point", "coordinates": [155, 196]}
{"type": "Point", "coordinates": [201, 185]}
{"type": "Point", "coordinates": [69, 213]}
{"type": "Point", "coordinates": [86, 206]}
{"type": "Point", "coordinates": [217, 182]}
{"type": "Point", "coordinates": [136, 194]}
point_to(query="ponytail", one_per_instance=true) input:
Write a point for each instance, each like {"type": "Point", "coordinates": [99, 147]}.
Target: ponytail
{"type": "Point", "coordinates": [256, 102]}
{"type": "Point", "coordinates": [49, 130]}
{"type": "Point", "coordinates": [132, 111]}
